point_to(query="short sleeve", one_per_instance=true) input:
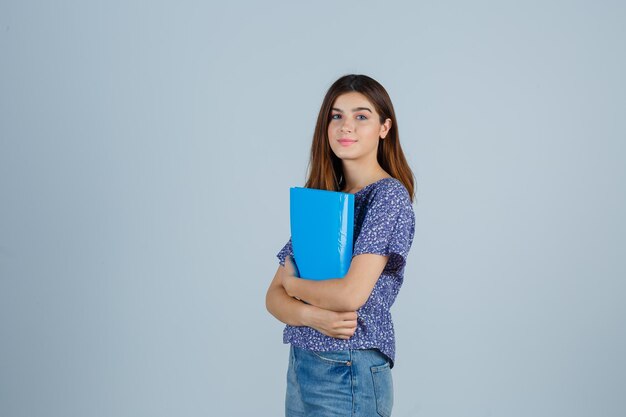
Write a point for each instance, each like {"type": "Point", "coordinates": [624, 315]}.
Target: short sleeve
{"type": "Point", "coordinates": [388, 226]}
{"type": "Point", "coordinates": [287, 250]}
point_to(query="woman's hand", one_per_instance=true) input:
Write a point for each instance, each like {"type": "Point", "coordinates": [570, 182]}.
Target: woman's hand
{"type": "Point", "coordinates": [331, 323]}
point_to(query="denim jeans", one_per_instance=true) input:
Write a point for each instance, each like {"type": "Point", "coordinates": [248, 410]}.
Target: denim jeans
{"type": "Point", "coordinates": [346, 383]}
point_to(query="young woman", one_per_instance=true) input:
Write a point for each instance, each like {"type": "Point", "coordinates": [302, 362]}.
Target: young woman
{"type": "Point", "coordinates": [340, 329]}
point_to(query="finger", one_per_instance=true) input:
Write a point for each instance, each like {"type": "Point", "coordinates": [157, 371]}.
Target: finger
{"type": "Point", "coordinates": [351, 324]}
{"type": "Point", "coordinates": [342, 335]}
{"type": "Point", "coordinates": [351, 315]}
{"type": "Point", "coordinates": [347, 321]}
{"type": "Point", "coordinates": [346, 334]}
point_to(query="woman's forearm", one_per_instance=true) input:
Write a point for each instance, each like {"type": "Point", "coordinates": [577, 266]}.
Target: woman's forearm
{"type": "Point", "coordinates": [337, 294]}
{"type": "Point", "coordinates": [285, 308]}
{"type": "Point", "coordinates": [330, 294]}
{"type": "Point", "coordinates": [340, 325]}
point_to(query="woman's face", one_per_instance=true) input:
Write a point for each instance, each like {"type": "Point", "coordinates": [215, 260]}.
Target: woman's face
{"type": "Point", "coordinates": [354, 128]}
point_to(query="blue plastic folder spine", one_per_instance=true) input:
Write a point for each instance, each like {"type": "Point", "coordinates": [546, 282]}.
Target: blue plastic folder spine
{"type": "Point", "coordinates": [322, 227]}
{"type": "Point", "coordinates": [346, 234]}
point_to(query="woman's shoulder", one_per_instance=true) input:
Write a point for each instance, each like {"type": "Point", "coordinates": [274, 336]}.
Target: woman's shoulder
{"type": "Point", "coordinates": [387, 195]}
{"type": "Point", "coordinates": [387, 207]}
{"type": "Point", "coordinates": [389, 188]}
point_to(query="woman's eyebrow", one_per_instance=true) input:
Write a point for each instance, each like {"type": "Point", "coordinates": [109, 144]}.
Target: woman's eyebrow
{"type": "Point", "coordinates": [354, 109]}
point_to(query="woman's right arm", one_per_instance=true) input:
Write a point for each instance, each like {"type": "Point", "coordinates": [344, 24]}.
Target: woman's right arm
{"type": "Point", "coordinates": [340, 325]}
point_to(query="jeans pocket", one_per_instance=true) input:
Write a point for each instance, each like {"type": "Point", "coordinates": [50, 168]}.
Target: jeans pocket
{"type": "Point", "coordinates": [333, 357]}
{"type": "Point", "coordinates": [383, 389]}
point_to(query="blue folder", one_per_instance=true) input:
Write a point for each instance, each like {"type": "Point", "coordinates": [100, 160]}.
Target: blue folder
{"type": "Point", "coordinates": [322, 227]}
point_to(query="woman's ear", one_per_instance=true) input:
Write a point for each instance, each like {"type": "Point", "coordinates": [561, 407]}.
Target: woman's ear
{"type": "Point", "coordinates": [384, 129]}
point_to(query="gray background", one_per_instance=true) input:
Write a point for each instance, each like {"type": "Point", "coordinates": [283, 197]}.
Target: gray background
{"type": "Point", "coordinates": [147, 148]}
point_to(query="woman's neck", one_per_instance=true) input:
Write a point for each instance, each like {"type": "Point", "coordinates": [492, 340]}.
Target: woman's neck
{"type": "Point", "coordinates": [357, 176]}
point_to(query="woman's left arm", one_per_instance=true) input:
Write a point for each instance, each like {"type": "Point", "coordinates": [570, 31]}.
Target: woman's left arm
{"type": "Point", "coordinates": [338, 294]}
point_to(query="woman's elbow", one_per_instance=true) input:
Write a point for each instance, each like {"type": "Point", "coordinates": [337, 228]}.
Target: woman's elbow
{"type": "Point", "coordinates": [353, 300]}
{"type": "Point", "coordinates": [269, 301]}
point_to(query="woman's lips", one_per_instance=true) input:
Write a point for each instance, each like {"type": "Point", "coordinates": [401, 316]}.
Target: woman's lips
{"type": "Point", "coordinates": [346, 142]}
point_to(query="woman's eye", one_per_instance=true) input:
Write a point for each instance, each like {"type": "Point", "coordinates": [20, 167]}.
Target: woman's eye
{"type": "Point", "coordinates": [363, 117]}
{"type": "Point", "coordinates": [335, 116]}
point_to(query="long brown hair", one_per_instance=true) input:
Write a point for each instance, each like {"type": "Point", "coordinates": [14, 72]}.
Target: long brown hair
{"type": "Point", "coordinates": [326, 170]}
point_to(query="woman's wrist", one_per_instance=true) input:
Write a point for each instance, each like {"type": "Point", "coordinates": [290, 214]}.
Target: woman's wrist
{"type": "Point", "coordinates": [288, 284]}
{"type": "Point", "coordinates": [307, 315]}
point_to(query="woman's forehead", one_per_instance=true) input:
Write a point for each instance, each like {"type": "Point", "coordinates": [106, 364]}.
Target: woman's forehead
{"type": "Point", "coordinates": [352, 99]}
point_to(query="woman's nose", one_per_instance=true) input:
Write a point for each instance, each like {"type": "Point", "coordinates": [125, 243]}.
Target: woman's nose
{"type": "Point", "coordinates": [347, 126]}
